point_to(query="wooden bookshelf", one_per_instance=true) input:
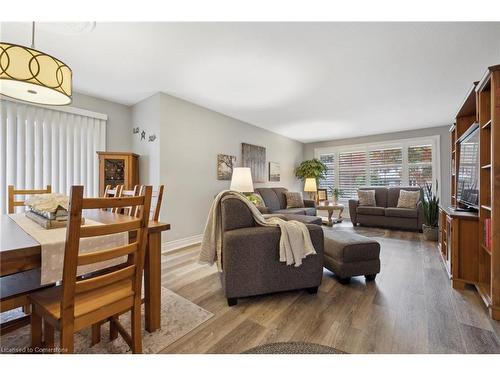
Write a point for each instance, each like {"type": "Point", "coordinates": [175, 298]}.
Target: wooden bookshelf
{"type": "Point", "coordinates": [488, 111]}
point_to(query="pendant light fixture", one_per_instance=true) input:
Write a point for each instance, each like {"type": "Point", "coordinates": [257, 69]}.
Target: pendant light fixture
{"type": "Point", "coordinates": [33, 76]}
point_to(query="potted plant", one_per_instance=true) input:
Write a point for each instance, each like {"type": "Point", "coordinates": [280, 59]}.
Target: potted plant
{"type": "Point", "coordinates": [311, 169]}
{"type": "Point", "coordinates": [335, 192]}
{"type": "Point", "coordinates": [430, 204]}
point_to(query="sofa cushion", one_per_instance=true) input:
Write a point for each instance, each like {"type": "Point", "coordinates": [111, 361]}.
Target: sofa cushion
{"type": "Point", "coordinates": [367, 198]}
{"type": "Point", "coordinates": [408, 199]}
{"type": "Point", "coordinates": [303, 219]}
{"type": "Point", "coordinates": [293, 211]}
{"type": "Point", "coordinates": [393, 194]}
{"type": "Point", "coordinates": [401, 212]}
{"type": "Point", "coordinates": [310, 211]}
{"type": "Point", "coordinates": [347, 246]}
{"type": "Point", "coordinates": [294, 200]}
{"type": "Point", "coordinates": [270, 198]}
{"type": "Point", "coordinates": [367, 210]}
{"type": "Point", "coordinates": [280, 193]}
{"type": "Point", "coordinates": [380, 195]}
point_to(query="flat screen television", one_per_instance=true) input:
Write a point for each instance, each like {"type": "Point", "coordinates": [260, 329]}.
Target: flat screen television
{"type": "Point", "coordinates": [468, 169]}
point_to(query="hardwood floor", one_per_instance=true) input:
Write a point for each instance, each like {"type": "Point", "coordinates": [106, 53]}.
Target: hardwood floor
{"type": "Point", "coordinates": [410, 308]}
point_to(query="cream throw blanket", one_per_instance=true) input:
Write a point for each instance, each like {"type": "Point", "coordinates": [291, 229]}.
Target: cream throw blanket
{"type": "Point", "coordinates": [295, 241]}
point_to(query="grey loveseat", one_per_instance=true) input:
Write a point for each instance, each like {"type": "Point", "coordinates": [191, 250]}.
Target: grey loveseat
{"type": "Point", "coordinates": [250, 257]}
{"type": "Point", "coordinates": [275, 201]}
{"type": "Point", "coordinates": [386, 213]}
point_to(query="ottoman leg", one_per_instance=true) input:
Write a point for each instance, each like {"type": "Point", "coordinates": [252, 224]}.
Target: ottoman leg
{"type": "Point", "coordinates": [370, 277]}
{"type": "Point", "coordinates": [232, 301]}
{"type": "Point", "coordinates": [344, 280]}
{"type": "Point", "coordinates": [312, 290]}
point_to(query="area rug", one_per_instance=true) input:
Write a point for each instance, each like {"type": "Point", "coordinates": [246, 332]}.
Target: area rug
{"type": "Point", "coordinates": [178, 317]}
{"type": "Point", "coordinates": [293, 348]}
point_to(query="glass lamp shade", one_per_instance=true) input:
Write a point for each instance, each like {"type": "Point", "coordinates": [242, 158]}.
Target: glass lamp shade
{"type": "Point", "coordinates": [241, 180]}
{"type": "Point", "coordinates": [33, 76]}
{"type": "Point", "coordinates": [310, 185]}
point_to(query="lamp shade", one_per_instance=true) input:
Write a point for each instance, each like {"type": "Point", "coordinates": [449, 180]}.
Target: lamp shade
{"type": "Point", "coordinates": [241, 180]}
{"type": "Point", "coordinates": [310, 185]}
{"type": "Point", "coordinates": [33, 76]}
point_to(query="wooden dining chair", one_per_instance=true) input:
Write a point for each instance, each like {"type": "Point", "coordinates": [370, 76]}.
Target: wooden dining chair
{"type": "Point", "coordinates": [13, 192]}
{"type": "Point", "coordinates": [112, 192]}
{"type": "Point", "coordinates": [81, 302]}
{"type": "Point", "coordinates": [156, 199]}
{"type": "Point", "coordinates": [130, 211]}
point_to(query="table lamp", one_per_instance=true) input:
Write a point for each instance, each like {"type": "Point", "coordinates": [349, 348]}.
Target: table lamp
{"type": "Point", "coordinates": [311, 187]}
{"type": "Point", "coordinates": [241, 180]}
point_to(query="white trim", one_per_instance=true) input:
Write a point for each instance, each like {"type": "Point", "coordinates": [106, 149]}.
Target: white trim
{"type": "Point", "coordinates": [180, 243]}
{"type": "Point", "coordinates": [404, 143]}
{"type": "Point", "coordinates": [65, 109]}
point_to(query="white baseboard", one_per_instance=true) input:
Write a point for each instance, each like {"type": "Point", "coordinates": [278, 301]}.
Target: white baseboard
{"type": "Point", "coordinates": [180, 243]}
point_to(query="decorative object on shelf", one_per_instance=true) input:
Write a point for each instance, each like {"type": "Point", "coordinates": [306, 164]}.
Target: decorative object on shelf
{"type": "Point", "coordinates": [311, 169]}
{"type": "Point", "coordinates": [322, 195]}
{"type": "Point", "coordinates": [274, 172]}
{"type": "Point", "coordinates": [143, 135]}
{"type": "Point", "coordinates": [430, 204]}
{"type": "Point", "coordinates": [225, 165]}
{"type": "Point", "coordinates": [118, 168]}
{"type": "Point", "coordinates": [335, 192]}
{"type": "Point", "coordinates": [254, 157]}
{"type": "Point", "coordinates": [33, 76]}
{"type": "Point", "coordinates": [241, 180]}
{"type": "Point", "coordinates": [311, 187]}
{"type": "Point", "coordinates": [152, 138]}
{"type": "Point", "coordinates": [135, 130]}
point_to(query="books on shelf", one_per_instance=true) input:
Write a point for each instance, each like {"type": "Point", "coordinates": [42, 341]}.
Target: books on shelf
{"type": "Point", "coordinates": [487, 233]}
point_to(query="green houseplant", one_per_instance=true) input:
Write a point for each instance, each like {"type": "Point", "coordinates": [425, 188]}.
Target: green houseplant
{"type": "Point", "coordinates": [311, 169]}
{"type": "Point", "coordinates": [430, 205]}
{"type": "Point", "coordinates": [335, 192]}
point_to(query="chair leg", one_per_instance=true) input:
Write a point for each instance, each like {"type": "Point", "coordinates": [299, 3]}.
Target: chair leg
{"type": "Point", "coordinates": [136, 329]}
{"type": "Point", "coordinates": [67, 340]}
{"type": "Point", "coordinates": [96, 334]}
{"type": "Point", "coordinates": [48, 333]}
{"type": "Point", "coordinates": [27, 308]}
{"type": "Point", "coordinates": [36, 330]}
{"type": "Point", "coordinates": [113, 330]}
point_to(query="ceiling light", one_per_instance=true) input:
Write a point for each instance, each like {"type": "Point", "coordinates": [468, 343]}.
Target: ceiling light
{"type": "Point", "coordinates": [33, 76]}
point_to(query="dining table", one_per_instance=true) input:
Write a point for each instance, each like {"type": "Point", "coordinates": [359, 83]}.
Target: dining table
{"type": "Point", "coordinates": [19, 252]}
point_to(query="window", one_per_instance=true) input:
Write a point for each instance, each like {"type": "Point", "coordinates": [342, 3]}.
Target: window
{"type": "Point", "coordinates": [386, 167]}
{"type": "Point", "coordinates": [42, 146]}
{"type": "Point", "coordinates": [352, 167]}
{"type": "Point", "coordinates": [420, 165]}
{"type": "Point", "coordinates": [408, 162]}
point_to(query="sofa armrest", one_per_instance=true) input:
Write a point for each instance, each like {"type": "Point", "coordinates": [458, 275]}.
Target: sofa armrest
{"type": "Point", "coordinates": [264, 210]}
{"type": "Point", "coordinates": [353, 213]}
{"type": "Point", "coordinates": [309, 203]}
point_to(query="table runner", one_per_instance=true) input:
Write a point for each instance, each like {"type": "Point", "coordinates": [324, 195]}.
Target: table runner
{"type": "Point", "coordinates": [52, 242]}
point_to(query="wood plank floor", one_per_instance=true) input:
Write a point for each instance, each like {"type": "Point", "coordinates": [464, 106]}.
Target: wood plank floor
{"type": "Point", "coordinates": [410, 308]}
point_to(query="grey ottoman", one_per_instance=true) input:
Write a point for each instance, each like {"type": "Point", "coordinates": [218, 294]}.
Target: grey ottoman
{"type": "Point", "coordinates": [348, 254]}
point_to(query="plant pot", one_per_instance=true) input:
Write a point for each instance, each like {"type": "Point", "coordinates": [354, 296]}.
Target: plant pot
{"type": "Point", "coordinates": [430, 233]}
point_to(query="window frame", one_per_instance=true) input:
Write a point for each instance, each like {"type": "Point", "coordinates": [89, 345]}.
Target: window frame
{"type": "Point", "coordinates": [405, 143]}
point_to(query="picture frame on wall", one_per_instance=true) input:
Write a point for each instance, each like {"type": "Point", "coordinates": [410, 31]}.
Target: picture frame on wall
{"type": "Point", "coordinates": [254, 157]}
{"type": "Point", "coordinates": [274, 172]}
{"type": "Point", "coordinates": [225, 165]}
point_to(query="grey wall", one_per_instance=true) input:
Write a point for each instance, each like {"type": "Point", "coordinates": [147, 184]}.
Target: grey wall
{"type": "Point", "coordinates": [445, 148]}
{"type": "Point", "coordinates": [191, 137]}
{"type": "Point", "coordinates": [118, 128]}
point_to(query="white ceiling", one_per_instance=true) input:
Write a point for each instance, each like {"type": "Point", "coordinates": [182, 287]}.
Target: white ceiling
{"type": "Point", "coordinates": [307, 81]}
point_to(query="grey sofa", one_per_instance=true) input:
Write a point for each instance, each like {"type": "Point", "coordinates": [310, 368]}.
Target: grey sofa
{"type": "Point", "coordinates": [386, 213]}
{"type": "Point", "coordinates": [250, 257]}
{"type": "Point", "coordinates": [275, 201]}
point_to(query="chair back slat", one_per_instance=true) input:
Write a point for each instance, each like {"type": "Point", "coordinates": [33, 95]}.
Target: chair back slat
{"type": "Point", "coordinates": [131, 210]}
{"type": "Point", "coordinates": [108, 254]}
{"type": "Point", "coordinates": [102, 230]}
{"type": "Point", "coordinates": [154, 212]}
{"type": "Point", "coordinates": [100, 281]}
{"type": "Point", "coordinates": [13, 192]}
{"type": "Point", "coordinates": [112, 192]}
{"type": "Point", "coordinates": [129, 270]}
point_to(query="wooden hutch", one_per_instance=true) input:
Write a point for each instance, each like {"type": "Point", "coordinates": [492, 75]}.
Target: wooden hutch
{"type": "Point", "coordinates": [469, 257]}
{"type": "Point", "coordinates": [118, 168]}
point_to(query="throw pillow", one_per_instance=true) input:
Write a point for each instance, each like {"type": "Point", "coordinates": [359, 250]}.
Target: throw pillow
{"type": "Point", "coordinates": [294, 200]}
{"type": "Point", "coordinates": [408, 199]}
{"type": "Point", "coordinates": [366, 198]}
{"type": "Point", "coordinates": [256, 199]}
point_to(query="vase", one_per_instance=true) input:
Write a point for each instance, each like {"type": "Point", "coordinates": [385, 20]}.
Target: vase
{"type": "Point", "coordinates": [430, 233]}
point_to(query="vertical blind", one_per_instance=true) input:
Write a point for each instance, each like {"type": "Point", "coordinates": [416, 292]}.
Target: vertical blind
{"type": "Point", "coordinates": [420, 165]}
{"type": "Point", "coordinates": [329, 180]}
{"type": "Point", "coordinates": [386, 167]}
{"type": "Point", "coordinates": [41, 146]}
{"type": "Point", "coordinates": [352, 173]}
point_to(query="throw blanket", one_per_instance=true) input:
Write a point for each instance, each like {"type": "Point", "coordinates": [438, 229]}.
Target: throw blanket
{"type": "Point", "coordinates": [295, 242]}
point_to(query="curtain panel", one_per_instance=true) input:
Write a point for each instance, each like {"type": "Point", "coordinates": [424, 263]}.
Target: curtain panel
{"type": "Point", "coordinates": [43, 146]}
